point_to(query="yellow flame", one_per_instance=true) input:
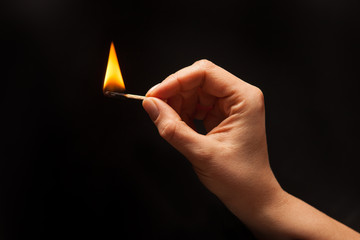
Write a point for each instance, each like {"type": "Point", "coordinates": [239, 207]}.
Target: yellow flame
{"type": "Point", "coordinates": [113, 79]}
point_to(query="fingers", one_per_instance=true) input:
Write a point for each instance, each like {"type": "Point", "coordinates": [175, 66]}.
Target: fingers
{"type": "Point", "coordinates": [204, 104]}
{"type": "Point", "coordinates": [172, 128]}
{"type": "Point", "coordinates": [212, 79]}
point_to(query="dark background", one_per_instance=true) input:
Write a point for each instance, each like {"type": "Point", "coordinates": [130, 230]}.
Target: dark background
{"type": "Point", "coordinates": [76, 164]}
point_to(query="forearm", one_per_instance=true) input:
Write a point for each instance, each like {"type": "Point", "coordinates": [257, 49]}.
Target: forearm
{"type": "Point", "coordinates": [287, 217]}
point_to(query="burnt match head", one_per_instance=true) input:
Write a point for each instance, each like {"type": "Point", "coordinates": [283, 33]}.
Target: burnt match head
{"type": "Point", "coordinates": [123, 95]}
{"type": "Point", "coordinates": [114, 94]}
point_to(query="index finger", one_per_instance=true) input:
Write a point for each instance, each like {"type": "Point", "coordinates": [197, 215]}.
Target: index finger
{"type": "Point", "coordinates": [213, 80]}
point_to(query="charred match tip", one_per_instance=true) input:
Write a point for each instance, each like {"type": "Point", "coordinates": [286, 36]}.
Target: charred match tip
{"type": "Point", "coordinates": [123, 95]}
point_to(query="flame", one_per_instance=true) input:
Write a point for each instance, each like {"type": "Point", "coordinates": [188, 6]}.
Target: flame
{"type": "Point", "coordinates": [113, 79]}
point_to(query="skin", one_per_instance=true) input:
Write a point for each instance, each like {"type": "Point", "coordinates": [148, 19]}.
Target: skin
{"type": "Point", "coordinates": [231, 160]}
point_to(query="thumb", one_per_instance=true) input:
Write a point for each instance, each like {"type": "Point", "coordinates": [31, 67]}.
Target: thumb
{"type": "Point", "coordinates": [172, 128]}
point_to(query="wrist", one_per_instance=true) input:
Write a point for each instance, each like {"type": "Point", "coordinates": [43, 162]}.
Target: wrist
{"type": "Point", "coordinates": [265, 219]}
{"type": "Point", "coordinates": [264, 194]}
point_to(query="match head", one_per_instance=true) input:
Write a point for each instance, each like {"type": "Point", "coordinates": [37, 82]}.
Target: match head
{"type": "Point", "coordinates": [123, 95]}
{"type": "Point", "coordinates": [111, 94]}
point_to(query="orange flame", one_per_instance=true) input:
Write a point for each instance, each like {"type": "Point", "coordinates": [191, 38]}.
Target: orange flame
{"type": "Point", "coordinates": [113, 79]}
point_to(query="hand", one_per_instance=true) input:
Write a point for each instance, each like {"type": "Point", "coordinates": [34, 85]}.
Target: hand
{"type": "Point", "coordinates": [233, 154]}
{"type": "Point", "coordinates": [231, 160]}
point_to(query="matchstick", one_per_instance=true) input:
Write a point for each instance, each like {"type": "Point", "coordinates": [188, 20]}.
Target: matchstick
{"type": "Point", "coordinates": [123, 95]}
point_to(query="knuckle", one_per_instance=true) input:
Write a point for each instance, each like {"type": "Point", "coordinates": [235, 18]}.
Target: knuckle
{"type": "Point", "coordinates": [172, 76]}
{"type": "Point", "coordinates": [256, 99]}
{"type": "Point", "coordinates": [258, 95]}
{"type": "Point", "coordinates": [204, 64]}
{"type": "Point", "coordinates": [167, 130]}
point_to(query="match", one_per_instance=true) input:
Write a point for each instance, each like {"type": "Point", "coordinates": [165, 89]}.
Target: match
{"type": "Point", "coordinates": [123, 95]}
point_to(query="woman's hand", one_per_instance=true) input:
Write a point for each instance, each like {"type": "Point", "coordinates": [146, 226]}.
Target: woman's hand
{"type": "Point", "coordinates": [231, 160]}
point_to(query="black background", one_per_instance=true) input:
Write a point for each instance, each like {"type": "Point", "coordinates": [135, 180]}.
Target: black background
{"type": "Point", "coordinates": [76, 164]}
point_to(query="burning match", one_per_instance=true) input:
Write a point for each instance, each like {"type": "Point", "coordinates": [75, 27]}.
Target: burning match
{"type": "Point", "coordinates": [114, 83]}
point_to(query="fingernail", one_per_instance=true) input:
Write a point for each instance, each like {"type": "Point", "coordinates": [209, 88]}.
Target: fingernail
{"type": "Point", "coordinates": [151, 108]}
{"type": "Point", "coordinates": [152, 89]}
